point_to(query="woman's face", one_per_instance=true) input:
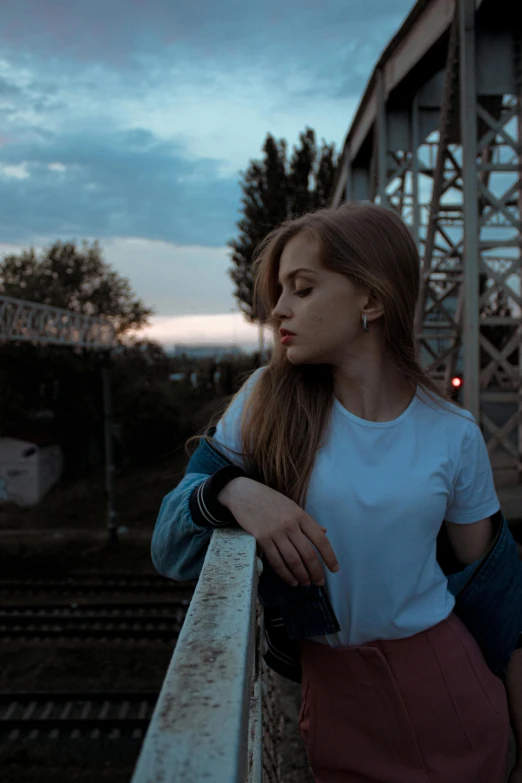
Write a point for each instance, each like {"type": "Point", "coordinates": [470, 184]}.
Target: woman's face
{"type": "Point", "coordinates": [324, 309]}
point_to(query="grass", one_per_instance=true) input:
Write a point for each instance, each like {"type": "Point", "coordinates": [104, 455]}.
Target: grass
{"type": "Point", "coordinates": [67, 531]}
{"type": "Point", "coordinates": [67, 665]}
{"type": "Point", "coordinates": [81, 504]}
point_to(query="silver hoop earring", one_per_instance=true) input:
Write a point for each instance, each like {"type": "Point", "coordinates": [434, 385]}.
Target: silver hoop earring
{"type": "Point", "coordinates": [366, 328]}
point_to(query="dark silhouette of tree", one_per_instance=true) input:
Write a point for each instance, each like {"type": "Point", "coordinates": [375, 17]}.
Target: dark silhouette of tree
{"type": "Point", "coordinates": [51, 393]}
{"type": "Point", "coordinates": [76, 278]}
{"type": "Point", "coordinates": [273, 190]}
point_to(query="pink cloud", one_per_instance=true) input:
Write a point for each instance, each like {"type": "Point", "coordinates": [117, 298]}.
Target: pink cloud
{"type": "Point", "coordinates": [194, 329]}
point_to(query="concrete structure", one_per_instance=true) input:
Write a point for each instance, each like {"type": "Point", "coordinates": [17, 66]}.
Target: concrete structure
{"type": "Point", "coordinates": [27, 471]}
{"type": "Point", "coordinates": [212, 721]}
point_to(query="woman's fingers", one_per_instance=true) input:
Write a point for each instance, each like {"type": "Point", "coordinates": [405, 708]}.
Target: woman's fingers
{"type": "Point", "coordinates": [283, 530]}
{"type": "Point", "coordinates": [308, 557]}
{"type": "Point", "coordinates": [300, 567]}
{"type": "Point", "coordinates": [278, 564]}
{"type": "Point", "coordinates": [293, 557]}
{"type": "Point", "coordinates": [313, 532]}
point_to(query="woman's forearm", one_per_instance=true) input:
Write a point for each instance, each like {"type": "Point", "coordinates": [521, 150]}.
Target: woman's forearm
{"type": "Point", "coordinates": [229, 492]}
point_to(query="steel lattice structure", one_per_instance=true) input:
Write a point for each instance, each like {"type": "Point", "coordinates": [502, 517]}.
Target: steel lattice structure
{"type": "Point", "coordinates": [32, 322]}
{"type": "Point", "coordinates": [437, 137]}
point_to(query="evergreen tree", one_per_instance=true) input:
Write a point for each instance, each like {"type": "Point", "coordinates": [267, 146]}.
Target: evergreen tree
{"type": "Point", "coordinates": [274, 190]}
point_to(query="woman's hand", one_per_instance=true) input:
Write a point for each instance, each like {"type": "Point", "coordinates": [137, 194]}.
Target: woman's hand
{"type": "Point", "coordinates": [282, 529]}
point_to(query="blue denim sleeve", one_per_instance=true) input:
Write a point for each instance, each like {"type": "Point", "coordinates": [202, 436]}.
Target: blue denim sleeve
{"type": "Point", "coordinates": [178, 545]}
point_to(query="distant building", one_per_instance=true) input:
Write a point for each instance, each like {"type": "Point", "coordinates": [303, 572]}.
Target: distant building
{"type": "Point", "coordinates": [203, 351]}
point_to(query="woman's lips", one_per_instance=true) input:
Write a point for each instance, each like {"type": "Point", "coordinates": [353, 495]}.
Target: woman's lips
{"type": "Point", "coordinates": [286, 338]}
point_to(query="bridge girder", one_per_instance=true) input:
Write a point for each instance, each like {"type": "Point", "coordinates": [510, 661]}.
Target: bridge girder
{"type": "Point", "coordinates": [445, 151]}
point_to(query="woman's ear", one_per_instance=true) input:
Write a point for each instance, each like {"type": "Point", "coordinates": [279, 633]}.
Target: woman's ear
{"type": "Point", "coordinates": [374, 307]}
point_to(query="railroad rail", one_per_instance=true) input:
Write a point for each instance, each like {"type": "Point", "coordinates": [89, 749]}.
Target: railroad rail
{"type": "Point", "coordinates": [158, 621]}
{"type": "Point", "coordinates": [96, 583]}
{"type": "Point", "coordinates": [39, 714]}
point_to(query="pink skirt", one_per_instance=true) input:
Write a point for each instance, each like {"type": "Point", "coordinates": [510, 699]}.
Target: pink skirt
{"type": "Point", "coordinates": [425, 709]}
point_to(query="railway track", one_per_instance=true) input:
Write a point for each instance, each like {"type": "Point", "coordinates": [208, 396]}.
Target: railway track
{"type": "Point", "coordinates": [86, 584]}
{"type": "Point", "coordinates": [115, 620]}
{"type": "Point", "coordinates": [86, 606]}
{"type": "Point", "coordinates": [52, 715]}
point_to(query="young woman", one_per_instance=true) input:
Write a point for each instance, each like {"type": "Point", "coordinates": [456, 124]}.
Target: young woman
{"type": "Point", "coordinates": [360, 462]}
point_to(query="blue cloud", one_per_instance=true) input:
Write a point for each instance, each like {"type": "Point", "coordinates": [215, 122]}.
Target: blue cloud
{"type": "Point", "coordinates": [115, 32]}
{"type": "Point", "coordinates": [128, 182]}
{"type": "Point", "coordinates": [116, 184]}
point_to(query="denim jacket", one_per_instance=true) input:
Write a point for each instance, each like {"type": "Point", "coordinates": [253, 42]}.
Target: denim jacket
{"type": "Point", "coordinates": [488, 592]}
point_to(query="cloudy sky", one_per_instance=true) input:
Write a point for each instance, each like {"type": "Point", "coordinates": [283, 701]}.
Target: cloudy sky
{"type": "Point", "coordinates": [130, 120]}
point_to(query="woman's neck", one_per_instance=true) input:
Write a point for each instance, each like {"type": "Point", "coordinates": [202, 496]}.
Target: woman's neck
{"type": "Point", "coordinates": [374, 391]}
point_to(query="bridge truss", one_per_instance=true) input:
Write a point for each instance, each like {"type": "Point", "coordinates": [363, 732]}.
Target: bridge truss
{"type": "Point", "coordinates": [438, 138]}
{"type": "Point", "coordinates": [32, 322]}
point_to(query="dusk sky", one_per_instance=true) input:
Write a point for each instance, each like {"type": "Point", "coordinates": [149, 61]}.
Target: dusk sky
{"type": "Point", "coordinates": [129, 121]}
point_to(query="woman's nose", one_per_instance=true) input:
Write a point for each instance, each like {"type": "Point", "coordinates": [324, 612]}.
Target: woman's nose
{"type": "Point", "coordinates": [281, 310]}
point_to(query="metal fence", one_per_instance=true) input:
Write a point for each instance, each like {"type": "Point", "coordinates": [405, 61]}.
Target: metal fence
{"type": "Point", "coordinates": [216, 717]}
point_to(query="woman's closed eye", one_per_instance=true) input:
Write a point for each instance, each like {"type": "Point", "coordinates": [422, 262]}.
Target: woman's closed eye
{"type": "Point", "coordinates": [304, 292]}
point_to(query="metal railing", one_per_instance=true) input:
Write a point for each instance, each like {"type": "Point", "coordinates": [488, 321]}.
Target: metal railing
{"type": "Point", "coordinates": [25, 321]}
{"type": "Point", "coordinates": [207, 723]}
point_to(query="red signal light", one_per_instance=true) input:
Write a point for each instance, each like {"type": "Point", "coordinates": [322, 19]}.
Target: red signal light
{"type": "Point", "coordinates": [456, 382]}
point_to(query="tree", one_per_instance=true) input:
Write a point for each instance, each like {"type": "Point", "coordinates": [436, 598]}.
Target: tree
{"type": "Point", "coordinates": [76, 278]}
{"type": "Point", "coordinates": [37, 380]}
{"type": "Point", "coordinates": [274, 190]}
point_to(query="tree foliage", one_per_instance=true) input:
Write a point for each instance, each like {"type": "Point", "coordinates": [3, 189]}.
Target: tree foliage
{"type": "Point", "coordinates": [273, 190]}
{"type": "Point", "coordinates": [52, 393]}
{"type": "Point", "coordinates": [75, 278]}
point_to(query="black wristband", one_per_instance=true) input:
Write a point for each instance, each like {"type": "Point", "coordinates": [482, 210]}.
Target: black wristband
{"type": "Point", "coordinates": [205, 508]}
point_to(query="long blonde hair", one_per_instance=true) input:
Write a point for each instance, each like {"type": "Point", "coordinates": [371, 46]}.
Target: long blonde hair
{"type": "Point", "coordinates": [289, 407]}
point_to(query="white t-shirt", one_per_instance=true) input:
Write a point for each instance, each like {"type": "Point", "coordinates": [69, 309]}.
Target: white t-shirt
{"type": "Point", "coordinates": [383, 489]}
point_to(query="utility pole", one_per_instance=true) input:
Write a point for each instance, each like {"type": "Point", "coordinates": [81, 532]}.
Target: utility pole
{"type": "Point", "coordinates": [109, 453]}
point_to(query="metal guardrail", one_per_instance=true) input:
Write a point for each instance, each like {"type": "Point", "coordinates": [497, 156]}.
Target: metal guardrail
{"type": "Point", "coordinates": [207, 723]}
{"type": "Point", "coordinates": [26, 321]}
